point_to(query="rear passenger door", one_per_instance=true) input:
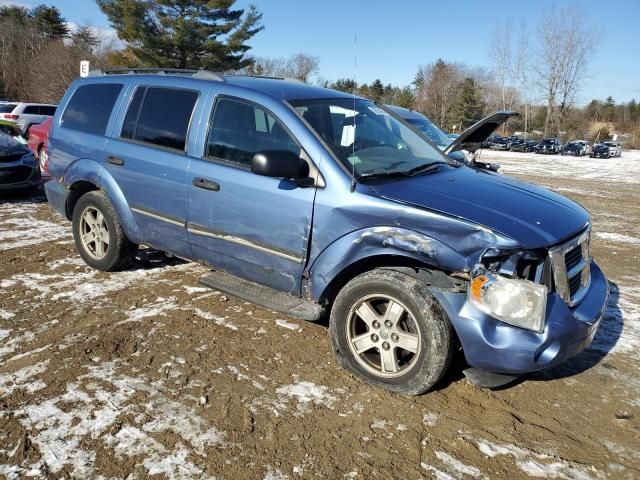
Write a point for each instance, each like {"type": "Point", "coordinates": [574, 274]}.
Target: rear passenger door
{"type": "Point", "coordinates": [148, 160]}
{"type": "Point", "coordinates": [252, 226]}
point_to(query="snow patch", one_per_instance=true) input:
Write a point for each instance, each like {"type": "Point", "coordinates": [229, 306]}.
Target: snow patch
{"type": "Point", "coordinates": [289, 325]}
{"type": "Point", "coordinates": [618, 238]}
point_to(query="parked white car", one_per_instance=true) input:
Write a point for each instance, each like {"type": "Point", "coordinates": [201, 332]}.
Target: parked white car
{"type": "Point", "coordinates": [26, 114]}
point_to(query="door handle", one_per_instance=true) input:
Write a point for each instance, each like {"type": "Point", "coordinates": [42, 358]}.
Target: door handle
{"type": "Point", "coordinates": [206, 184]}
{"type": "Point", "coordinates": [115, 160]}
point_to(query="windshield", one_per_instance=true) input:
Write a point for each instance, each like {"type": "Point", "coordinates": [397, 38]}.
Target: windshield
{"type": "Point", "coordinates": [432, 132]}
{"type": "Point", "coordinates": [366, 138]}
{"type": "Point", "coordinates": [7, 107]}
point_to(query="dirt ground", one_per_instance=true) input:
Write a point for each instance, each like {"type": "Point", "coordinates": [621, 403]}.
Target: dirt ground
{"type": "Point", "coordinates": [145, 373]}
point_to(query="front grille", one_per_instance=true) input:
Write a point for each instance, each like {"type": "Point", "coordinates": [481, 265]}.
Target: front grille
{"type": "Point", "coordinates": [11, 158]}
{"type": "Point", "coordinates": [573, 257]}
{"type": "Point", "coordinates": [15, 174]}
{"type": "Point", "coordinates": [571, 272]}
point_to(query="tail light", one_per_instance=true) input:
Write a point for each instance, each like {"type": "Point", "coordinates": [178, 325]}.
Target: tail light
{"type": "Point", "coordinates": [11, 116]}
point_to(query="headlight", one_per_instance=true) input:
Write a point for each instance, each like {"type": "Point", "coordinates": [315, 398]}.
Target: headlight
{"type": "Point", "coordinates": [521, 303]}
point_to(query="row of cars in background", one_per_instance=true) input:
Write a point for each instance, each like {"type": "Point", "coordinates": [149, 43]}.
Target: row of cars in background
{"type": "Point", "coordinates": [24, 128]}
{"type": "Point", "coordinates": [554, 146]}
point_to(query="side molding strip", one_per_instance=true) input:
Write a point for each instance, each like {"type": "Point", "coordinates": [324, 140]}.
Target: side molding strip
{"type": "Point", "coordinates": [204, 231]}
{"type": "Point", "coordinates": [158, 216]}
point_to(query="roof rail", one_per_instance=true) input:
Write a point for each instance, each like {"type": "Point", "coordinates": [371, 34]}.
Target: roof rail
{"type": "Point", "coordinates": [270, 77]}
{"type": "Point", "coordinates": [201, 74]}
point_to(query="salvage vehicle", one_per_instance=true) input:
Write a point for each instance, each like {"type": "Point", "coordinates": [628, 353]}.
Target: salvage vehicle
{"type": "Point", "coordinates": [10, 128]}
{"type": "Point", "coordinates": [606, 150]}
{"type": "Point", "coordinates": [18, 167]}
{"type": "Point", "coordinates": [549, 146]}
{"type": "Point", "coordinates": [314, 202]}
{"type": "Point", "coordinates": [501, 143]}
{"type": "Point", "coordinates": [523, 146]}
{"type": "Point", "coordinates": [575, 147]}
{"type": "Point", "coordinates": [468, 140]}
{"type": "Point", "coordinates": [27, 114]}
{"type": "Point", "coordinates": [38, 135]}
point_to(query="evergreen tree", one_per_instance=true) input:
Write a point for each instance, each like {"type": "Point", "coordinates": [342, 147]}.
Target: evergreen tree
{"type": "Point", "coordinates": [609, 109]}
{"type": "Point", "coordinates": [634, 110]}
{"type": "Point", "coordinates": [49, 22]}
{"type": "Point", "coordinates": [376, 90]}
{"type": "Point", "coordinates": [185, 33]}
{"type": "Point", "coordinates": [469, 105]}
{"type": "Point", "coordinates": [14, 14]}
{"type": "Point", "coordinates": [343, 85]}
{"type": "Point", "coordinates": [405, 98]}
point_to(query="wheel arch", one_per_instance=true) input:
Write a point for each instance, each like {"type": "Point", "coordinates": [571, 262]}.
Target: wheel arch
{"type": "Point", "coordinates": [388, 247]}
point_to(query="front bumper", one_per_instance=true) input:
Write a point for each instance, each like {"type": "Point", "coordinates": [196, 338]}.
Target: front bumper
{"type": "Point", "coordinates": [18, 174]}
{"type": "Point", "coordinates": [496, 347]}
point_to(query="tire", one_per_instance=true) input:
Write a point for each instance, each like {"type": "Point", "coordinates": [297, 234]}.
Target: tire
{"type": "Point", "coordinates": [119, 252]}
{"type": "Point", "coordinates": [423, 325]}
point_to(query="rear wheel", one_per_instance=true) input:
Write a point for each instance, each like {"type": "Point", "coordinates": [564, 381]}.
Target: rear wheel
{"type": "Point", "coordinates": [387, 328]}
{"type": "Point", "coordinates": [98, 234]}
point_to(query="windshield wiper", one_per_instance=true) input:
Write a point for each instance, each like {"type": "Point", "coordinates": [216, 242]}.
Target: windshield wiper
{"type": "Point", "coordinates": [367, 176]}
{"type": "Point", "coordinates": [425, 169]}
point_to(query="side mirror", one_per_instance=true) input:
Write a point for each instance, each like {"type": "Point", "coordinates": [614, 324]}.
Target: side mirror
{"type": "Point", "coordinates": [279, 164]}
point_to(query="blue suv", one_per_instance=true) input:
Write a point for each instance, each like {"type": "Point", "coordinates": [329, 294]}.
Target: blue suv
{"type": "Point", "coordinates": [310, 202]}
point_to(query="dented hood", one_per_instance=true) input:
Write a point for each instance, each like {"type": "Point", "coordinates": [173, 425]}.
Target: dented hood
{"type": "Point", "coordinates": [531, 215]}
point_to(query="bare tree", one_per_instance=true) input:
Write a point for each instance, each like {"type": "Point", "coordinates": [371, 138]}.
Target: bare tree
{"type": "Point", "coordinates": [567, 45]}
{"type": "Point", "coordinates": [301, 66]}
{"type": "Point", "coordinates": [436, 85]}
{"type": "Point", "coordinates": [521, 71]}
{"type": "Point", "coordinates": [501, 53]}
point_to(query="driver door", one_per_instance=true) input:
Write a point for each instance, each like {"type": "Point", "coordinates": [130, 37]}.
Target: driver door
{"type": "Point", "coordinates": [252, 226]}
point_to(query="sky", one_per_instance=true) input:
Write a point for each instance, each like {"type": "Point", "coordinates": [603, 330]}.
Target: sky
{"type": "Point", "coordinates": [394, 37]}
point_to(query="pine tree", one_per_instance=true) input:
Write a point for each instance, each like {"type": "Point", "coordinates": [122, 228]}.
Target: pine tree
{"type": "Point", "coordinates": [405, 98]}
{"type": "Point", "coordinates": [185, 33]}
{"type": "Point", "coordinates": [609, 109]}
{"type": "Point", "coordinates": [376, 90]}
{"type": "Point", "coordinates": [469, 105]}
{"type": "Point", "coordinates": [49, 21]}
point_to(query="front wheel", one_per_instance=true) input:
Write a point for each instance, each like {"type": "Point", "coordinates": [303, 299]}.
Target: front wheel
{"type": "Point", "coordinates": [98, 234]}
{"type": "Point", "coordinates": [388, 329]}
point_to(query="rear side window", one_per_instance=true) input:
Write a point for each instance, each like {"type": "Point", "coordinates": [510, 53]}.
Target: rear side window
{"type": "Point", "coordinates": [47, 110]}
{"type": "Point", "coordinates": [160, 116]}
{"type": "Point", "coordinates": [90, 108]}
{"type": "Point", "coordinates": [31, 110]}
{"type": "Point", "coordinates": [239, 130]}
{"type": "Point", "coordinates": [7, 107]}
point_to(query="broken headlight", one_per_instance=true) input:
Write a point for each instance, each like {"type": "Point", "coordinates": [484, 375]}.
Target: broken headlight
{"type": "Point", "coordinates": [521, 303]}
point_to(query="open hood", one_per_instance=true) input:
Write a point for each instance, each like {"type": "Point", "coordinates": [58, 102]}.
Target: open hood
{"type": "Point", "coordinates": [472, 137]}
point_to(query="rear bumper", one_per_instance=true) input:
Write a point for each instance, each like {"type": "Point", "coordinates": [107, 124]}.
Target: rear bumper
{"type": "Point", "coordinates": [56, 196]}
{"type": "Point", "coordinates": [496, 347]}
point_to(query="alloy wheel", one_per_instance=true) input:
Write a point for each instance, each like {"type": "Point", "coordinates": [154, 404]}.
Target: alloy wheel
{"type": "Point", "coordinates": [383, 335]}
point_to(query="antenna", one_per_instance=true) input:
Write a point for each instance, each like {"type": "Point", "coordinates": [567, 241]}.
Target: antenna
{"type": "Point", "coordinates": [353, 91]}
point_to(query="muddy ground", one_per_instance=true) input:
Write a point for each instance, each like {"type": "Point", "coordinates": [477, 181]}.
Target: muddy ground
{"type": "Point", "coordinates": [145, 373]}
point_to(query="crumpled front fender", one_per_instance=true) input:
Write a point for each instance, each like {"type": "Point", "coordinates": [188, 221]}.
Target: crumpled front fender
{"type": "Point", "coordinates": [381, 240]}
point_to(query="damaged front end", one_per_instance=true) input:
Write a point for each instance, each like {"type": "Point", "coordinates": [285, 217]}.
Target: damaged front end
{"type": "Point", "coordinates": [514, 319]}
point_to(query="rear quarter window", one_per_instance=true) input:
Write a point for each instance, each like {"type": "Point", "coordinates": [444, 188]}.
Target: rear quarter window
{"type": "Point", "coordinates": [90, 108]}
{"type": "Point", "coordinates": [160, 116]}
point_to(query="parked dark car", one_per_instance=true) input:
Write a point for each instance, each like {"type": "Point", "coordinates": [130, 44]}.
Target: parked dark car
{"type": "Point", "coordinates": [606, 150]}
{"type": "Point", "coordinates": [577, 148]}
{"type": "Point", "coordinates": [470, 140]}
{"type": "Point", "coordinates": [549, 146]}
{"type": "Point", "coordinates": [501, 143]}
{"type": "Point", "coordinates": [18, 167]}
{"type": "Point", "coordinates": [522, 145]}
{"type": "Point", "coordinates": [312, 202]}
{"type": "Point", "coordinates": [429, 129]}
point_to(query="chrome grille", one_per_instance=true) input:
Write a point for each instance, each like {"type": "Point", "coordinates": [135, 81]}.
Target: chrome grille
{"type": "Point", "coordinates": [571, 272]}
